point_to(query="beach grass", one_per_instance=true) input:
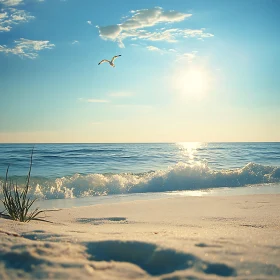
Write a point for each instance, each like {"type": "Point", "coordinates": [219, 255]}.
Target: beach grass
{"type": "Point", "coordinates": [16, 201]}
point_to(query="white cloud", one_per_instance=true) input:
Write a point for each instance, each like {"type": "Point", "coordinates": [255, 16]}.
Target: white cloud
{"type": "Point", "coordinates": [187, 57]}
{"type": "Point", "coordinates": [89, 22]}
{"type": "Point", "coordinates": [11, 16]}
{"type": "Point", "coordinates": [75, 42]}
{"type": "Point", "coordinates": [11, 2]}
{"type": "Point", "coordinates": [27, 48]}
{"type": "Point", "coordinates": [134, 27]}
{"type": "Point", "coordinates": [167, 35]}
{"type": "Point", "coordinates": [199, 33]}
{"type": "Point", "coordinates": [150, 17]}
{"type": "Point", "coordinates": [3, 15]}
{"type": "Point", "coordinates": [154, 49]}
{"type": "Point", "coordinates": [163, 50]}
{"type": "Point", "coordinates": [109, 32]}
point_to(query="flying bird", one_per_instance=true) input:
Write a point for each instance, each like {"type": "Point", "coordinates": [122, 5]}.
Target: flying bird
{"type": "Point", "coordinates": [110, 62]}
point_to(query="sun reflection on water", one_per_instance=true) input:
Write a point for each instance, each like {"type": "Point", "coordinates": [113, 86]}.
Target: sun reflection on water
{"type": "Point", "coordinates": [190, 149]}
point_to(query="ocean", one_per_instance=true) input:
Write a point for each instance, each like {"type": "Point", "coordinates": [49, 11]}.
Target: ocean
{"type": "Point", "coordinates": [146, 170]}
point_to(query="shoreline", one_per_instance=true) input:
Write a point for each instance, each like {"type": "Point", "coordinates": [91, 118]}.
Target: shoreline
{"type": "Point", "coordinates": [273, 188]}
{"type": "Point", "coordinates": [209, 237]}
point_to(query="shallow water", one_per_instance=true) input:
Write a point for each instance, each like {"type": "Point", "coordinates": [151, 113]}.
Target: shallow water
{"type": "Point", "coordinates": [95, 200]}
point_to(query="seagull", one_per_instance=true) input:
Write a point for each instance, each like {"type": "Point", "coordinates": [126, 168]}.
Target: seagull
{"type": "Point", "coordinates": [110, 62]}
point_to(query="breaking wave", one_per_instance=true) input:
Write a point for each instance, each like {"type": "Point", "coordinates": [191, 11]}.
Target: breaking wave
{"type": "Point", "coordinates": [179, 177]}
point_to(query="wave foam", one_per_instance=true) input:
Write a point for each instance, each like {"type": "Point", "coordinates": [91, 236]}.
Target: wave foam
{"type": "Point", "coordinates": [179, 177]}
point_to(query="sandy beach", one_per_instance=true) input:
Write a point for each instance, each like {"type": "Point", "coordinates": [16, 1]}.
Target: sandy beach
{"type": "Point", "coordinates": [144, 134]}
{"type": "Point", "coordinates": [168, 238]}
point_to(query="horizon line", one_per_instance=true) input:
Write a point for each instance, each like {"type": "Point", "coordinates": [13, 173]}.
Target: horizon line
{"type": "Point", "coordinates": [168, 142]}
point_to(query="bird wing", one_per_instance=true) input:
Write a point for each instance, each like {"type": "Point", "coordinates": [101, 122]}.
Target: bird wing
{"type": "Point", "coordinates": [115, 57]}
{"type": "Point", "coordinates": [103, 60]}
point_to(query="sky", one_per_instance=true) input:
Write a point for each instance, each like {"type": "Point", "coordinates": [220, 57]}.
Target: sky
{"type": "Point", "coordinates": [189, 70]}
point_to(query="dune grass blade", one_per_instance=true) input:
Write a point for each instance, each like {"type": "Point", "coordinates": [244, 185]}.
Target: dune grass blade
{"type": "Point", "coordinates": [15, 201]}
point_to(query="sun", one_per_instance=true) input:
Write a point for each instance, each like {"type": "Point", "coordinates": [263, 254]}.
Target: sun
{"type": "Point", "coordinates": [191, 83]}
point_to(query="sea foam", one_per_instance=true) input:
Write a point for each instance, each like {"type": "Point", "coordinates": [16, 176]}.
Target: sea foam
{"type": "Point", "coordinates": [178, 177]}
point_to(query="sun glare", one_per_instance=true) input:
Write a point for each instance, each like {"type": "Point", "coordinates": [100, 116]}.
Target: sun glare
{"type": "Point", "coordinates": [191, 83]}
{"type": "Point", "coordinates": [189, 149]}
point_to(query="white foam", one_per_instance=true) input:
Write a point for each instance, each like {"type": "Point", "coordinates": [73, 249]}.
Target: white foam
{"type": "Point", "coordinates": [179, 177]}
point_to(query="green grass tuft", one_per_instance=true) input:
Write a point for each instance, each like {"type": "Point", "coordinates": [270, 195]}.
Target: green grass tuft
{"type": "Point", "coordinates": [16, 202]}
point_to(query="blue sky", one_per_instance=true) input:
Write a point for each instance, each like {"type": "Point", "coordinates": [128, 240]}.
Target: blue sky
{"type": "Point", "coordinates": [188, 71]}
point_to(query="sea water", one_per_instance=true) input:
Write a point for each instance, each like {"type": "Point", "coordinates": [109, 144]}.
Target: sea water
{"type": "Point", "coordinates": [98, 173]}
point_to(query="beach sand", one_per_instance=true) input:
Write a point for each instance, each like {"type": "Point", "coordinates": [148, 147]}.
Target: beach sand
{"type": "Point", "coordinates": [168, 238]}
